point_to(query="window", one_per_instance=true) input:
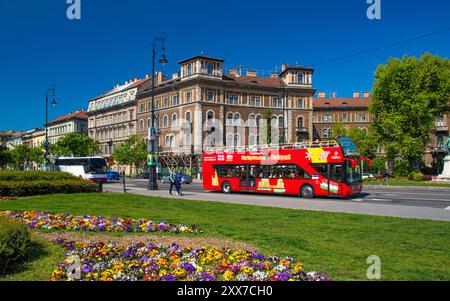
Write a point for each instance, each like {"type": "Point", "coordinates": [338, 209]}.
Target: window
{"type": "Point", "coordinates": [300, 103]}
{"type": "Point", "coordinates": [175, 100]}
{"type": "Point", "coordinates": [330, 133]}
{"type": "Point", "coordinates": [174, 120]}
{"type": "Point", "coordinates": [255, 101]}
{"type": "Point", "coordinates": [210, 95]}
{"type": "Point", "coordinates": [189, 72]}
{"type": "Point", "coordinates": [188, 96]}
{"type": "Point", "coordinates": [149, 123]}
{"type": "Point", "coordinates": [230, 118]}
{"type": "Point", "coordinates": [210, 68]}
{"type": "Point", "coordinates": [281, 122]}
{"type": "Point", "coordinates": [142, 107]}
{"type": "Point", "coordinates": [165, 121]}
{"type": "Point", "coordinates": [237, 119]}
{"type": "Point", "coordinates": [361, 117]}
{"type": "Point", "coordinates": [325, 133]}
{"type": "Point", "coordinates": [141, 125]}
{"type": "Point", "coordinates": [440, 142]}
{"type": "Point", "coordinates": [258, 120]}
{"type": "Point", "coordinates": [251, 120]}
{"type": "Point", "coordinates": [300, 78]}
{"type": "Point", "coordinates": [440, 122]}
{"type": "Point", "coordinates": [276, 103]}
{"type": "Point", "coordinates": [166, 102]}
{"type": "Point", "coordinates": [327, 118]}
{"type": "Point", "coordinates": [210, 115]}
{"type": "Point", "coordinates": [344, 118]}
{"type": "Point", "coordinates": [233, 99]}
{"type": "Point", "coordinates": [188, 116]}
{"type": "Point", "coordinates": [300, 122]}
{"type": "Point", "coordinates": [230, 140]}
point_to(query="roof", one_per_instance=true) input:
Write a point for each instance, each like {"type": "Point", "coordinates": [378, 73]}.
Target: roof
{"type": "Point", "coordinates": [351, 102]}
{"type": "Point", "coordinates": [128, 85]}
{"type": "Point", "coordinates": [256, 81]}
{"type": "Point", "coordinates": [202, 57]}
{"type": "Point", "coordinates": [77, 115]}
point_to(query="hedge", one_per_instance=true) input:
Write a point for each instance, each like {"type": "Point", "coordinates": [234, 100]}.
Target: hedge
{"type": "Point", "coordinates": [15, 241]}
{"type": "Point", "coordinates": [41, 187]}
{"type": "Point", "coordinates": [35, 176]}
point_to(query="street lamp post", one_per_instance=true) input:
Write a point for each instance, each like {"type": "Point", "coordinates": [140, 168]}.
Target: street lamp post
{"type": "Point", "coordinates": [153, 133]}
{"type": "Point", "coordinates": [50, 92]}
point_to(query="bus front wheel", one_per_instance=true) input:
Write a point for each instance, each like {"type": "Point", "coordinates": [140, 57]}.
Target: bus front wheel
{"type": "Point", "coordinates": [307, 192]}
{"type": "Point", "coordinates": [226, 187]}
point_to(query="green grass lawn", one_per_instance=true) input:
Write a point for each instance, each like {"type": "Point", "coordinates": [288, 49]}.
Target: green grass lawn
{"type": "Point", "coordinates": [335, 243]}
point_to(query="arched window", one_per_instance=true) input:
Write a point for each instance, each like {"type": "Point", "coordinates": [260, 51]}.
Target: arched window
{"type": "Point", "coordinates": [281, 122]}
{"type": "Point", "coordinates": [325, 133]}
{"type": "Point", "coordinates": [167, 141]}
{"type": "Point", "coordinates": [300, 78]}
{"type": "Point", "coordinates": [230, 118]}
{"type": "Point", "coordinates": [252, 140]}
{"type": "Point", "coordinates": [237, 140]}
{"type": "Point", "coordinates": [237, 118]}
{"type": "Point", "coordinates": [258, 120]}
{"type": "Point", "coordinates": [300, 122]}
{"type": "Point", "coordinates": [210, 115]}
{"type": "Point", "coordinates": [210, 68]}
{"type": "Point", "coordinates": [330, 133]}
{"type": "Point", "coordinates": [172, 141]}
{"type": "Point", "coordinates": [149, 123]}
{"type": "Point", "coordinates": [165, 121]}
{"type": "Point", "coordinates": [174, 120]}
{"type": "Point", "coordinates": [251, 120]}
{"type": "Point", "coordinates": [188, 116]}
{"type": "Point", "coordinates": [141, 125]}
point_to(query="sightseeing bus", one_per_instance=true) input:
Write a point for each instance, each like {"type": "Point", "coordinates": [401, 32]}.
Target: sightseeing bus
{"type": "Point", "coordinates": [308, 170]}
{"type": "Point", "coordinates": [92, 169]}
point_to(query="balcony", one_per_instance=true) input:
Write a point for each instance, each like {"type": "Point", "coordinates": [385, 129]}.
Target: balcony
{"type": "Point", "coordinates": [301, 130]}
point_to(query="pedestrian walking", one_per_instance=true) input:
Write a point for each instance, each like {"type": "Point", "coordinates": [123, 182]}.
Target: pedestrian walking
{"type": "Point", "coordinates": [179, 181]}
{"type": "Point", "coordinates": [385, 176]}
{"type": "Point", "coordinates": [173, 182]}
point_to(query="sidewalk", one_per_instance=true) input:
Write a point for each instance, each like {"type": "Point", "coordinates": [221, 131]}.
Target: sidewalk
{"type": "Point", "coordinates": [330, 205]}
{"type": "Point", "coordinates": [434, 188]}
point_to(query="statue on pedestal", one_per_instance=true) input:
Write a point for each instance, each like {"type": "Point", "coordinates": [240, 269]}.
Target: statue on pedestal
{"type": "Point", "coordinates": [445, 176]}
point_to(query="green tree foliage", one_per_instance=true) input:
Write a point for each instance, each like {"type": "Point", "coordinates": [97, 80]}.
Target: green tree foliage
{"type": "Point", "coordinates": [75, 145]}
{"type": "Point", "coordinates": [408, 95]}
{"type": "Point", "coordinates": [363, 139]}
{"type": "Point", "coordinates": [132, 152]}
{"type": "Point", "coordinates": [5, 157]}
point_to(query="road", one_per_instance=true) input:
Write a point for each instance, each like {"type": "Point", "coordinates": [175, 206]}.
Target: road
{"type": "Point", "coordinates": [425, 203]}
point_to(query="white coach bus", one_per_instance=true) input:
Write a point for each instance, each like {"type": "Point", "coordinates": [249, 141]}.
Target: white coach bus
{"type": "Point", "coordinates": [88, 168]}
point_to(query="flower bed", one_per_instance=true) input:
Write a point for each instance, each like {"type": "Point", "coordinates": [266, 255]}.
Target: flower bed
{"type": "Point", "coordinates": [137, 262]}
{"type": "Point", "coordinates": [62, 221]}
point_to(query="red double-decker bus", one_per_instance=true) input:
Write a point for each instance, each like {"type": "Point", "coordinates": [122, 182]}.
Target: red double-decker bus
{"type": "Point", "coordinates": [322, 169]}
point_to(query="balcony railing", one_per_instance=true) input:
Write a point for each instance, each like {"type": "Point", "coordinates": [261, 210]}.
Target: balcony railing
{"type": "Point", "coordinates": [441, 129]}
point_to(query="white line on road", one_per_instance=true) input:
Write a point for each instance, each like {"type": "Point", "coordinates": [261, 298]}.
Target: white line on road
{"type": "Point", "coordinates": [380, 200]}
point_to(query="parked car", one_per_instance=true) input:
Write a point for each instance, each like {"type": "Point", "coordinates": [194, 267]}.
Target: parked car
{"type": "Point", "coordinates": [184, 180]}
{"type": "Point", "coordinates": [143, 175]}
{"type": "Point", "coordinates": [113, 175]}
{"type": "Point", "coordinates": [367, 175]}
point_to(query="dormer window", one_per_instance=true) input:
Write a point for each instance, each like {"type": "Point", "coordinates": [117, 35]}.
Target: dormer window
{"type": "Point", "coordinates": [300, 78]}
{"type": "Point", "coordinates": [189, 70]}
{"type": "Point", "coordinates": [210, 68]}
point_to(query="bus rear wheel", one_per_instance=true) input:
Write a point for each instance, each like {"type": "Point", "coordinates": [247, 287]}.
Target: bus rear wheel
{"type": "Point", "coordinates": [226, 187]}
{"type": "Point", "coordinates": [307, 192]}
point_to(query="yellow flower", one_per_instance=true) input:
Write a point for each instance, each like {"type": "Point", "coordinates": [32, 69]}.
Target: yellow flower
{"type": "Point", "coordinates": [179, 272]}
{"type": "Point", "coordinates": [228, 275]}
{"type": "Point", "coordinates": [298, 267]}
{"type": "Point", "coordinates": [163, 273]}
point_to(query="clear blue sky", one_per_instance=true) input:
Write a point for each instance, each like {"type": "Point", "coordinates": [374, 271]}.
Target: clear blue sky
{"type": "Point", "coordinates": [40, 47]}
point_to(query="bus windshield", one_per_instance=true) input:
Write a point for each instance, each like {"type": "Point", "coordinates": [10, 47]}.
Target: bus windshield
{"type": "Point", "coordinates": [97, 166]}
{"type": "Point", "coordinates": [340, 172]}
{"type": "Point", "coordinates": [352, 175]}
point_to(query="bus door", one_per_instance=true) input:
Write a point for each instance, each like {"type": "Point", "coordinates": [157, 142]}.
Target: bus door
{"type": "Point", "coordinates": [335, 174]}
{"type": "Point", "coordinates": [247, 178]}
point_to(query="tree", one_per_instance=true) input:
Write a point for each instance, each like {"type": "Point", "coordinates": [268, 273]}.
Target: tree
{"type": "Point", "coordinates": [75, 145]}
{"type": "Point", "coordinates": [408, 95]}
{"type": "Point", "coordinates": [363, 139]}
{"type": "Point", "coordinates": [5, 157]}
{"type": "Point", "coordinates": [132, 152]}
{"type": "Point", "coordinates": [339, 129]}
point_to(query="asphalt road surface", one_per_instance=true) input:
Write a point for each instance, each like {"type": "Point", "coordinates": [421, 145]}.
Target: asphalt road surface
{"type": "Point", "coordinates": [427, 203]}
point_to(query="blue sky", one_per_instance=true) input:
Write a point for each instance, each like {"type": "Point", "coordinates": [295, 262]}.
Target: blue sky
{"type": "Point", "coordinates": [41, 48]}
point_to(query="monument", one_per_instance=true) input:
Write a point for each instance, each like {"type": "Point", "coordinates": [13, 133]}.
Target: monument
{"type": "Point", "coordinates": [445, 176]}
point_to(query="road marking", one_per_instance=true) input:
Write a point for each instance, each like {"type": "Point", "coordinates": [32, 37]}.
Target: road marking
{"type": "Point", "coordinates": [358, 200]}
{"type": "Point", "coordinates": [380, 200]}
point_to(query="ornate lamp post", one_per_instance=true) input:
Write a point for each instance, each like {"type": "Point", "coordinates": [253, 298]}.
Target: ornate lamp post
{"type": "Point", "coordinates": [49, 93]}
{"type": "Point", "coordinates": [153, 133]}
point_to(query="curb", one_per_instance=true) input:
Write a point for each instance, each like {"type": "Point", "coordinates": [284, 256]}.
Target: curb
{"type": "Point", "coordinates": [366, 186]}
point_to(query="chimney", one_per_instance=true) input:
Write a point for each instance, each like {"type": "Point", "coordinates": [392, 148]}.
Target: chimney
{"type": "Point", "coordinates": [322, 95]}
{"type": "Point", "coordinates": [334, 94]}
{"type": "Point", "coordinates": [283, 67]}
{"type": "Point", "coordinates": [356, 95]}
{"type": "Point", "coordinates": [147, 76]}
{"type": "Point", "coordinates": [234, 71]}
{"type": "Point", "coordinates": [274, 75]}
{"type": "Point", "coordinates": [366, 94]}
{"type": "Point", "coordinates": [175, 75]}
{"type": "Point", "coordinates": [159, 77]}
{"type": "Point", "coordinates": [251, 73]}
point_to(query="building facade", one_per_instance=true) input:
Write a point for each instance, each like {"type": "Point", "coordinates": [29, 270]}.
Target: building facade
{"type": "Point", "coordinates": [351, 112]}
{"type": "Point", "coordinates": [112, 116]}
{"type": "Point", "coordinates": [71, 123]}
{"type": "Point", "coordinates": [200, 107]}
{"type": "Point", "coordinates": [34, 138]}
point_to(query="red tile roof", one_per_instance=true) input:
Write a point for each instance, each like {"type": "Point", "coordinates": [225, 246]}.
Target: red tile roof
{"type": "Point", "coordinates": [339, 102]}
{"type": "Point", "coordinates": [78, 115]}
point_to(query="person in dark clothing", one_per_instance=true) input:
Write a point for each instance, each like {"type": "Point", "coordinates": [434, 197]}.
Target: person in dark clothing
{"type": "Point", "coordinates": [179, 180]}
{"type": "Point", "coordinates": [173, 182]}
{"type": "Point", "coordinates": [385, 176]}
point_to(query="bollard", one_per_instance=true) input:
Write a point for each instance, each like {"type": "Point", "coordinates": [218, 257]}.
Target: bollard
{"type": "Point", "coordinates": [99, 186]}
